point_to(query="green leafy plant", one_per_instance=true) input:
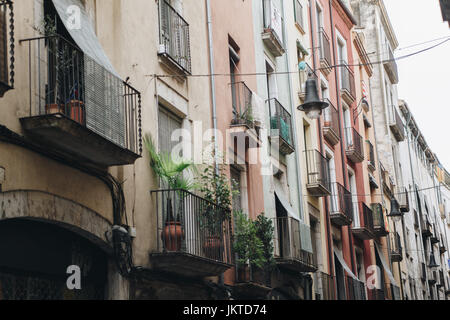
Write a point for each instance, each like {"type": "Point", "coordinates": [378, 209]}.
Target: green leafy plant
{"type": "Point", "coordinates": [170, 171]}
{"type": "Point", "coordinates": [247, 245]}
{"type": "Point", "coordinates": [264, 231]}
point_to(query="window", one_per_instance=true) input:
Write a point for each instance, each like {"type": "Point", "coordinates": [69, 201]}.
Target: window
{"type": "Point", "coordinates": [298, 13]}
{"type": "Point", "coordinates": [167, 124]}
{"type": "Point", "coordinates": [319, 17]}
{"type": "Point", "coordinates": [272, 88]}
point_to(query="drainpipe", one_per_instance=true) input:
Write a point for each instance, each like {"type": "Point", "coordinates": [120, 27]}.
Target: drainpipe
{"type": "Point", "coordinates": [213, 95]}
{"type": "Point", "coordinates": [417, 202]}
{"type": "Point", "coordinates": [325, 202]}
{"type": "Point", "coordinates": [344, 172]}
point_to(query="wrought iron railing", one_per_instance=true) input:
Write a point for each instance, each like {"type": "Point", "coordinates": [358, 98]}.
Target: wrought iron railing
{"type": "Point", "coordinates": [190, 224]}
{"type": "Point", "coordinates": [378, 218]}
{"type": "Point", "coordinates": [6, 46]}
{"type": "Point", "coordinates": [331, 118]}
{"type": "Point", "coordinates": [317, 169]}
{"type": "Point", "coordinates": [273, 20]}
{"type": "Point", "coordinates": [356, 290]}
{"type": "Point", "coordinates": [242, 104]}
{"type": "Point", "coordinates": [280, 121]}
{"type": "Point", "coordinates": [65, 81]}
{"type": "Point", "coordinates": [325, 48]}
{"type": "Point", "coordinates": [365, 216]}
{"type": "Point", "coordinates": [328, 287]}
{"type": "Point", "coordinates": [287, 241]}
{"type": "Point", "coordinates": [371, 154]}
{"type": "Point", "coordinates": [341, 200]}
{"type": "Point", "coordinates": [354, 142]}
{"type": "Point", "coordinates": [303, 76]}
{"type": "Point", "coordinates": [396, 124]}
{"type": "Point", "coordinates": [347, 79]}
{"type": "Point", "coordinates": [396, 244]}
{"type": "Point", "coordinates": [174, 36]}
{"type": "Point", "coordinates": [377, 294]}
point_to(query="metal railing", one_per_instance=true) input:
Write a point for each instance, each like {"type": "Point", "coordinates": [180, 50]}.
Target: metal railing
{"type": "Point", "coordinates": [287, 241]}
{"type": "Point", "coordinates": [331, 118]}
{"type": "Point", "coordinates": [341, 200]}
{"type": "Point", "coordinates": [325, 48]}
{"type": "Point", "coordinates": [356, 290]}
{"type": "Point", "coordinates": [403, 199]}
{"type": "Point", "coordinates": [371, 154]}
{"type": "Point", "coordinates": [317, 169]}
{"type": "Point", "coordinates": [6, 46]}
{"type": "Point", "coordinates": [174, 36]}
{"type": "Point", "coordinates": [396, 244]}
{"type": "Point", "coordinates": [190, 224]}
{"type": "Point", "coordinates": [377, 294]}
{"type": "Point", "coordinates": [280, 121]}
{"type": "Point", "coordinates": [303, 76]}
{"type": "Point", "coordinates": [63, 80]}
{"type": "Point", "coordinates": [354, 142]}
{"type": "Point", "coordinates": [347, 79]}
{"type": "Point", "coordinates": [273, 20]}
{"type": "Point", "coordinates": [242, 104]}
{"type": "Point", "coordinates": [378, 217]}
{"type": "Point", "coordinates": [396, 124]}
{"type": "Point", "coordinates": [365, 216]}
{"type": "Point", "coordinates": [328, 287]}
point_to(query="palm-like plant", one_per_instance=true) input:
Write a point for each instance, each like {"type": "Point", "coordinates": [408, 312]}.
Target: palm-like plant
{"type": "Point", "coordinates": [170, 171]}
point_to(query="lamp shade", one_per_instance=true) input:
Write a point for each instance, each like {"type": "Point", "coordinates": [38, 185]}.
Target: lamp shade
{"type": "Point", "coordinates": [313, 106]}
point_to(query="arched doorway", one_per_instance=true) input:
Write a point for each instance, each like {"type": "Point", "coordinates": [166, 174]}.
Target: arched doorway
{"type": "Point", "coordinates": [34, 257]}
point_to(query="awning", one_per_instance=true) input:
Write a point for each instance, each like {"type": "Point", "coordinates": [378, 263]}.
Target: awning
{"type": "Point", "coordinates": [83, 32]}
{"type": "Point", "coordinates": [385, 265]}
{"type": "Point", "coordinates": [284, 201]}
{"type": "Point", "coordinates": [340, 257]}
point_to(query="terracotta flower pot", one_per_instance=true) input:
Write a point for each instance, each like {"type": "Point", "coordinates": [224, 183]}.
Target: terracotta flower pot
{"type": "Point", "coordinates": [172, 235]}
{"type": "Point", "coordinates": [211, 247]}
{"type": "Point", "coordinates": [53, 108]}
{"type": "Point", "coordinates": [76, 110]}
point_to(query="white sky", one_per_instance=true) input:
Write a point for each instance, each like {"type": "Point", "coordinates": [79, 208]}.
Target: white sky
{"type": "Point", "coordinates": [424, 78]}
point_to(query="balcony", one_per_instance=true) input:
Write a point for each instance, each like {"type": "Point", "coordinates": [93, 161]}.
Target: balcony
{"type": "Point", "coordinates": [441, 280]}
{"type": "Point", "coordinates": [396, 247]}
{"type": "Point", "coordinates": [328, 286]}
{"type": "Point", "coordinates": [396, 124]}
{"type": "Point", "coordinates": [364, 229]}
{"type": "Point", "coordinates": [288, 247]}
{"type": "Point", "coordinates": [347, 83]}
{"type": "Point", "coordinates": [273, 29]}
{"type": "Point", "coordinates": [341, 205]}
{"type": "Point", "coordinates": [243, 122]}
{"type": "Point", "coordinates": [251, 283]}
{"type": "Point", "coordinates": [77, 108]}
{"type": "Point", "coordinates": [193, 235]}
{"type": "Point", "coordinates": [324, 52]}
{"type": "Point", "coordinates": [318, 174]}
{"type": "Point", "coordinates": [379, 227]}
{"type": "Point", "coordinates": [426, 226]}
{"type": "Point", "coordinates": [423, 273]}
{"type": "Point", "coordinates": [356, 290]}
{"type": "Point", "coordinates": [174, 41]}
{"type": "Point", "coordinates": [280, 127]}
{"type": "Point", "coordinates": [390, 65]}
{"type": "Point", "coordinates": [371, 156]}
{"type": "Point", "coordinates": [432, 278]}
{"type": "Point", "coordinates": [403, 200]}
{"type": "Point", "coordinates": [303, 76]}
{"type": "Point", "coordinates": [6, 46]}
{"type": "Point", "coordinates": [354, 145]}
{"type": "Point", "coordinates": [442, 245]}
{"type": "Point", "coordinates": [331, 124]}
{"type": "Point", "coordinates": [435, 235]}
{"type": "Point", "coordinates": [377, 294]}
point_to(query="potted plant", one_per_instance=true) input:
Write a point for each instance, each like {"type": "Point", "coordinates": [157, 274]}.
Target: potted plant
{"type": "Point", "coordinates": [216, 189]}
{"type": "Point", "coordinates": [265, 231]}
{"type": "Point", "coordinates": [247, 246]}
{"type": "Point", "coordinates": [171, 173]}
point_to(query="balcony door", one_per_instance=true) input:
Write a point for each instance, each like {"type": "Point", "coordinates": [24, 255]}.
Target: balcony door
{"type": "Point", "coordinates": [282, 227]}
{"type": "Point", "coordinates": [347, 125]}
{"type": "Point", "coordinates": [353, 191]}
